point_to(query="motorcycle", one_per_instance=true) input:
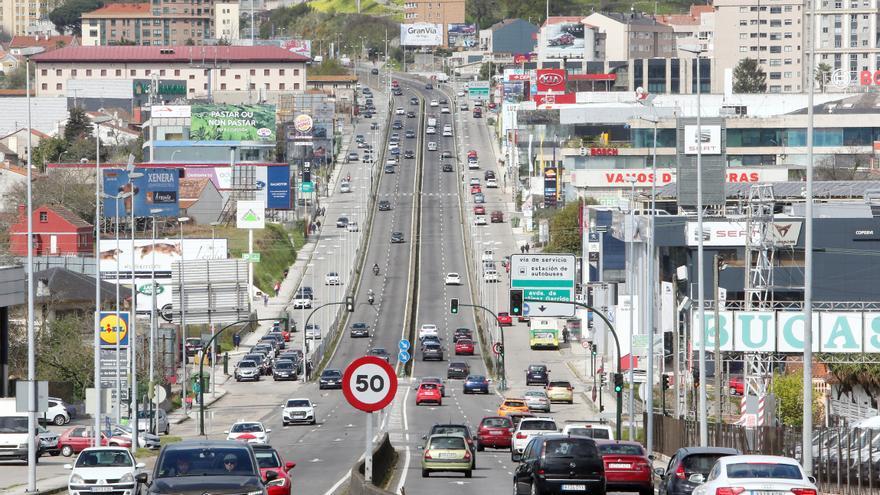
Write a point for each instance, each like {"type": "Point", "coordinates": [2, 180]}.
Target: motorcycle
{"type": "Point", "coordinates": [371, 300]}
{"type": "Point", "coordinates": [375, 269]}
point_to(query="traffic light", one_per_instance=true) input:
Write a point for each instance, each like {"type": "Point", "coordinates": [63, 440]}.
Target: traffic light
{"type": "Point", "coordinates": [516, 302]}
{"type": "Point", "coordinates": [618, 383]}
{"type": "Point", "coordinates": [594, 349]}
{"type": "Point", "coordinates": [453, 306]}
{"type": "Point", "coordinates": [664, 381]}
{"type": "Point", "coordinates": [349, 304]}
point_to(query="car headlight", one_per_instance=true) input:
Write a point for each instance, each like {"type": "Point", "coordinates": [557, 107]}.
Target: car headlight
{"type": "Point", "coordinates": [127, 478]}
{"type": "Point", "coordinates": [255, 492]}
{"type": "Point", "coordinates": [277, 482]}
{"type": "Point", "coordinates": [76, 479]}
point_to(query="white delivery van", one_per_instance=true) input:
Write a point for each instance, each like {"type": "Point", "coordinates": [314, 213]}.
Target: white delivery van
{"type": "Point", "coordinates": [13, 431]}
{"type": "Point", "coordinates": [432, 122]}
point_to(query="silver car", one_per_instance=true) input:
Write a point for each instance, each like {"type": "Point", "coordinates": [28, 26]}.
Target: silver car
{"type": "Point", "coordinates": [537, 400]}
{"type": "Point", "coordinates": [161, 421]}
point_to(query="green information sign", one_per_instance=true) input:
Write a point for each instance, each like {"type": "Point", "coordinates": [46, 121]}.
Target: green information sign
{"type": "Point", "coordinates": [547, 281]}
{"type": "Point", "coordinates": [307, 187]}
{"type": "Point", "coordinates": [232, 122]}
{"type": "Point", "coordinates": [251, 257]}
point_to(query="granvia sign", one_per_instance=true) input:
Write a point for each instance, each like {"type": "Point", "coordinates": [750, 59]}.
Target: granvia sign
{"type": "Point", "coordinates": [783, 331]}
{"type": "Point", "coordinates": [421, 34]}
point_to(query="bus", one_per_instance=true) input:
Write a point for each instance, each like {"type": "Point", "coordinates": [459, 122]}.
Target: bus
{"type": "Point", "coordinates": [544, 333]}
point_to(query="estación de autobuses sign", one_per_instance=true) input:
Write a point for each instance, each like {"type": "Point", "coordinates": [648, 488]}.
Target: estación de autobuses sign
{"type": "Point", "coordinates": [783, 331]}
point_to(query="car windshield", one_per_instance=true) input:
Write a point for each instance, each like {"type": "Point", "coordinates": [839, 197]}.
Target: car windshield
{"type": "Point", "coordinates": [298, 403]}
{"type": "Point", "coordinates": [544, 425]}
{"type": "Point", "coordinates": [247, 364]}
{"type": "Point", "coordinates": [284, 365]}
{"type": "Point", "coordinates": [105, 458]}
{"type": "Point", "coordinates": [206, 462]}
{"type": "Point", "coordinates": [599, 433]}
{"type": "Point", "coordinates": [246, 428]}
{"type": "Point", "coordinates": [267, 458]}
{"type": "Point", "coordinates": [331, 374]}
{"type": "Point", "coordinates": [14, 424]}
{"type": "Point", "coordinates": [450, 443]}
{"type": "Point", "coordinates": [359, 325]}
{"type": "Point", "coordinates": [763, 470]}
{"type": "Point", "coordinates": [497, 423]}
{"type": "Point", "coordinates": [621, 449]}
{"type": "Point", "coordinates": [570, 447]}
{"type": "Point", "coordinates": [700, 463]}
{"type": "Point", "coordinates": [476, 378]}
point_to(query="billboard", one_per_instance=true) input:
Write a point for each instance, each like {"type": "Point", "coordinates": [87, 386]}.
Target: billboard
{"type": "Point", "coordinates": [155, 189]}
{"type": "Point", "coordinates": [550, 80]}
{"type": "Point", "coordinates": [461, 35]}
{"type": "Point", "coordinates": [563, 40]}
{"type": "Point", "coordinates": [232, 122]}
{"type": "Point", "coordinates": [421, 34]}
{"type": "Point", "coordinates": [300, 47]}
{"type": "Point", "coordinates": [709, 141]}
{"type": "Point", "coordinates": [560, 99]}
{"type": "Point", "coordinates": [781, 233]}
{"type": "Point", "coordinates": [273, 186]}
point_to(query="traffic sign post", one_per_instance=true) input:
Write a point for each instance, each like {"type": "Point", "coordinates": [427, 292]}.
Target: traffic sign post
{"type": "Point", "coordinates": [549, 278]}
{"type": "Point", "coordinates": [369, 384]}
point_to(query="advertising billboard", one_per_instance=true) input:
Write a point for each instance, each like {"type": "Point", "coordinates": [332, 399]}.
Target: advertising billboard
{"type": "Point", "coordinates": [548, 80]}
{"type": "Point", "coordinates": [421, 34]}
{"type": "Point", "coordinates": [461, 35]}
{"type": "Point", "coordinates": [232, 122]}
{"type": "Point", "coordinates": [300, 47]}
{"type": "Point", "coordinates": [513, 91]}
{"type": "Point", "coordinates": [559, 99]}
{"type": "Point", "coordinates": [563, 40]}
{"type": "Point", "coordinates": [709, 140]}
{"type": "Point", "coordinates": [273, 186]}
{"type": "Point", "coordinates": [156, 192]}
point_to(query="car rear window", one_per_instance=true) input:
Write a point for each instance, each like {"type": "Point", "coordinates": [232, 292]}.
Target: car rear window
{"type": "Point", "coordinates": [570, 447]}
{"type": "Point", "coordinates": [560, 384]}
{"type": "Point", "coordinates": [429, 386]}
{"type": "Point", "coordinates": [621, 449]}
{"type": "Point", "coordinates": [497, 423]}
{"type": "Point", "coordinates": [700, 463]}
{"type": "Point", "coordinates": [514, 403]}
{"type": "Point", "coordinates": [545, 425]}
{"type": "Point", "coordinates": [536, 368]}
{"type": "Point", "coordinates": [455, 443]}
{"type": "Point", "coordinates": [449, 429]}
{"type": "Point", "coordinates": [764, 470]}
{"type": "Point", "coordinates": [599, 433]}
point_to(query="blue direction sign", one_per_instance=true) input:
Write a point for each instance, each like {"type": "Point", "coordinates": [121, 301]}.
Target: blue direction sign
{"type": "Point", "coordinates": [403, 345]}
{"type": "Point", "coordinates": [403, 356]}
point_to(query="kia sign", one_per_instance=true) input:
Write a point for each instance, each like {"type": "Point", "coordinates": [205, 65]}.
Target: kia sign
{"type": "Point", "coordinates": [421, 34]}
{"type": "Point", "coordinates": [551, 80]}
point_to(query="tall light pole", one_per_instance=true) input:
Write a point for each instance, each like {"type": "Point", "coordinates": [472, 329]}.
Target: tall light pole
{"type": "Point", "coordinates": [180, 222]}
{"type": "Point", "coordinates": [807, 425]}
{"type": "Point", "coordinates": [630, 286]}
{"type": "Point", "coordinates": [717, 266]}
{"type": "Point", "coordinates": [649, 393]}
{"type": "Point", "coordinates": [97, 338]}
{"type": "Point", "coordinates": [213, 354]}
{"type": "Point", "coordinates": [31, 335]}
{"type": "Point", "coordinates": [132, 340]}
{"type": "Point", "coordinates": [116, 198]}
{"type": "Point", "coordinates": [154, 418]}
{"type": "Point", "coordinates": [701, 297]}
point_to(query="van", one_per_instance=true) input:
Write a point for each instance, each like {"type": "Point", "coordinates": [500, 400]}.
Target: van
{"type": "Point", "coordinates": [14, 432]}
{"type": "Point", "coordinates": [432, 122]}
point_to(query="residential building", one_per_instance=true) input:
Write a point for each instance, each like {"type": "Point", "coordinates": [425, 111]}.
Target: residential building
{"type": "Point", "coordinates": [696, 28]}
{"type": "Point", "coordinates": [509, 37]}
{"type": "Point", "coordinates": [226, 21]}
{"type": "Point", "coordinates": [56, 231]}
{"type": "Point", "coordinates": [12, 178]}
{"type": "Point", "coordinates": [8, 62]}
{"type": "Point", "coordinates": [329, 84]}
{"type": "Point", "coordinates": [846, 37]}
{"type": "Point", "coordinates": [157, 23]}
{"type": "Point", "coordinates": [225, 68]}
{"type": "Point", "coordinates": [442, 12]}
{"type": "Point", "coordinates": [18, 16]}
{"type": "Point", "coordinates": [772, 34]}
{"type": "Point", "coordinates": [61, 292]}
{"type": "Point", "coordinates": [17, 142]}
{"type": "Point", "coordinates": [45, 41]}
{"type": "Point", "coordinates": [200, 200]}
{"type": "Point", "coordinates": [633, 35]}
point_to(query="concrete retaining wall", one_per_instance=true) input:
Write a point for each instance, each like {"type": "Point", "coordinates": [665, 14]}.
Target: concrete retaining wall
{"type": "Point", "coordinates": [384, 460]}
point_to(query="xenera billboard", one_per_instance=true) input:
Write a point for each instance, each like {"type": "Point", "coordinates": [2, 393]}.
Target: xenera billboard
{"type": "Point", "coordinates": [421, 34]}
{"type": "Point", "coordinates": [232, 122]}
{"type": "Point", "coordinates": [155, 189]}
{"type": "Point", "coordinates": [461, 35]}
{"type": "Point", "coordinates": [783, 331]}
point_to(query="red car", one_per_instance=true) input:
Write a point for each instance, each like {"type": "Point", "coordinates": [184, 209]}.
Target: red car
{"type": "Point", "coordinates": [270, 460]}
{"type": "Point", "coordinates": [504, 319]}
{"type": "Point", "coordinates": [429, 392]}
{"type": "Point", "coordinates": [737, 385]}
{"type": "Point", "coordinates": [394, 83]}
{"type": "Point", "coordinates": [464, 347]}
{"type": "Point", "coordinates": [479, 210]}
{"type": "Point", "coordinates": [78, 438]}
{"type": "Point", "coordinates": [627, 467]}
{"type": "Point", "coordinates": [476, 189]}
{"type": "Point", "coordinates": [494, 432]}
{"type": "Point", "coordinates": [491, 105]}
{"type": "Point", "coordinates": [472, 154]}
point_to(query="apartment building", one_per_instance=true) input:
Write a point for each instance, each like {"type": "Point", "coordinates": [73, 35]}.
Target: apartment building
{"type": "Point", "coordinates": [695, 28]}
{"type": "Point", "coordinates": [846, 36]}
{"type": "Point", "coordinates": [443, 12]}
{"type": "Point", "coordinates": [226, 21]}
{"type": "Point", "coordinates": [17, 16]}
{"type": "Point", "coordinates": [633, 35]}
{"type": "Point", "coordinates": [771, 32]}
{"type": "Point", "coordinates": [159, 23]}
{"type": "Point", "coordinates": [206, 69]}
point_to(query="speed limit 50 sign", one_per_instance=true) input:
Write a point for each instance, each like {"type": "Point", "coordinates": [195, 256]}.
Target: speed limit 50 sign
{"type": "Point", "coordinates": [369, 383]}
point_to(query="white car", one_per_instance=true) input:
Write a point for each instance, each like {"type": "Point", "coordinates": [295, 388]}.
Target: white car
{"type": "Point", "coordinates": [302, 301]}
{"type": "Point", "coordinates": [345, 187]}
{"type": "Point", "coordinates": [432, 146]}
{"type": "Point", "coordinates": [100, 469]}
{"type": "Point", "coordinates": [57, 413]}
{"type": "Point", "coordinates": [488, 255]}
{"type": "Point", "coordinates": [399, 111]}
{"type": "Point", "coordinates": [453, 279]}
{"type": "Point", "coordinates": [490, 276]}
{"type": "Point", "coordinates": [460, 94]}
{"type": "Point", "coordinates": [248, 432]}
{"type": "Point", "coordinates": [313, 331]}
{"type": "Point", "coordinates": [447, 133]}
{"type": "Point", "coordinates": [298, 411]}
{"type": "Point", "coordinates": [480, 220]}
{"type": "Point", "coordinates": [428, 329]}
{"type": "Point", "coordinates": [529, 428]}
{"type": "Point", "coordinates": [430, 130]}
{"type": "Point", "coordinates": [599, 430]}
{"type": "Point", "coordinates": [491, 183]}
{"type": "Point", "coordinates": [353, 227]}
{"type": "Point", "coordinates": [474, 181]}
{"type": "Point", "coordinates": [755, 474]}
{"type": "Point", "coordinates": [435, 103]}
{"type": "Point", "coordinates": [332, 278]}
{"type": "Point", "coordinates": [444, 110]}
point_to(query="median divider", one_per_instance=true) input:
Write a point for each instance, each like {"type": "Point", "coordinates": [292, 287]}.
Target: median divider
{"type": "Point", "coordinates": [384, 462]}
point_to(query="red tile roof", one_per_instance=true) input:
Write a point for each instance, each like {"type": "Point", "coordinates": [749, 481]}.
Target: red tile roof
{"type": "Point", "coordinates": [691, 18]}
{"type": "Point", "coordinates": [169, 54]}
{"type": "Point", "coordinates": [49, 44]}
{"type": "Point", "coordinates": [67, 215]}
{"type": "Point", "coordinates": [120, 10]}
{"type": "Point", "coordinates": [561, 19]}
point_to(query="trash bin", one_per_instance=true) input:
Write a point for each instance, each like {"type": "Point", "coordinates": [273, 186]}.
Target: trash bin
{"type": "Point", "coordinates": [204, 384]}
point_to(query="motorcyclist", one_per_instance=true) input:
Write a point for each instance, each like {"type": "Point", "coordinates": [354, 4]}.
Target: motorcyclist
{"type": "Point", "coordinates": [375, 268]}
{"type": "Point", "coordinates": [370, 297]}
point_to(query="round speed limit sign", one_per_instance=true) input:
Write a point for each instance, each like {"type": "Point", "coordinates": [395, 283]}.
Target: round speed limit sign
{"type": "Point", "coordinates": [369, 383]}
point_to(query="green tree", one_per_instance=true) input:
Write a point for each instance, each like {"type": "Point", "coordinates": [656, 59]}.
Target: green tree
{"type": "Point", "coordinates": [329, 67]}
{"type": "Point", "coordinates": [49, 150]}
{"type": "Point", "coordinates": [483, 13]}
{"type": "Point", "coordinates": [485, 71]}
{"type": "Point", "coordinates": [789, 391]}
{"type": "Point", "coordinates": [823, 75]}
{"type": "Point", "coordinates": [62, 186]}
{"type": "Point", "coordinates": [565, 236]}
{"type": "Point", "coordinates": [78, 125]}
{"type": "Point", "coordinates": [68, 16]}
{"type": "Point", "coordinates": [15, 79]}
{"type": "Point", "coordinates": [748, 77]}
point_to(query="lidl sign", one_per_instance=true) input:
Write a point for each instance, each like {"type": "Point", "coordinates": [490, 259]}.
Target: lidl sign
{"type": "Point", "coordinates": [113, 329]}
{"type": "Point", "coordinates": [783, 331]}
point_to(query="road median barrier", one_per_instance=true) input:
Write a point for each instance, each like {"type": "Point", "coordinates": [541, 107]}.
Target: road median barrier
{"type": "Point", "coordinates": [384, 462]}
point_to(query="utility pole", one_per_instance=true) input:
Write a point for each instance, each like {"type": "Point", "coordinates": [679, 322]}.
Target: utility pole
{"type": "Point", "coordinates": [716, 265]}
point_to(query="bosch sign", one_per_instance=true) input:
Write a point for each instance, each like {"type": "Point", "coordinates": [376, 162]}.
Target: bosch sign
{"type": "Point", "coordinates": [550, 80]}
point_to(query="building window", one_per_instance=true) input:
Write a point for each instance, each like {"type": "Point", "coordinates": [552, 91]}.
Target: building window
{"type": "Point", "coordinates": [222, 73]}
{"type": "Point", "coordinates": [132, 72]}
{"type": "Point", "coordinates": [58, 86]}
{"type": "Point", "coordinates": [742, 49]}
{"type": "Point", "coordinates": [295, 86]}
{"type": "Point", "coordinates": [88, 72]}
{"type": "Point", "coordinates": [280, 72]}
{"type": "Point", "coordinates": [295, 73]}
{"type": "Point", "coordinates": [45, 72]}
{"type": "Point", "coordinates": [222, 88]}
{"type": "Point", "coordinates": [72, 72]}
{"type": "Point", "coordinates": [265, 73]}
{"type": "Point", "coordinates": [237, 77]}
{"type": "Point", "coordinates": [775, 75]}
{"type": "Point", "coordinates": [161, 73]}
{"type": "Point", "coordinates": [253, 86]}
{"type": "Point", "coordinates": [253, 73]}
{"type": "Point", "coordinates": [44, 218]}
{"type": "Point", "coordinates": [44, 86]}
{"type": "Point", "coordinates": [176, 73]}
{"type": "Point", "coordinates": [58, 74]}
{"type": "Point", "coordinates": [281, 86]}
{"type": "Point", "coordinates": [103, 72]}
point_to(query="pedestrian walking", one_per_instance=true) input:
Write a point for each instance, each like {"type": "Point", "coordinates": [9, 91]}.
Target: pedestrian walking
{"type": "Point", "coordinates": [236, 340]}
{"type": "Point", "coordinates": [265, 300]}
{"type": "Point", "coordinates": [522, 250]}
{"type": "Point", "coordinates": [527, 247]}
{"type": "Point", "coordinates": [277, 288]}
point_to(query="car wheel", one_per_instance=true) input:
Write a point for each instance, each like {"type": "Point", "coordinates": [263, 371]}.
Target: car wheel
{"type": "Point", "coordinates": [571, 401]}
{"type": "Point", "coordinates": [468, 473]}
{"type": "Point", "coordinates": [480, 447]}
{"type": "Point", "coordinates": [67, 451]}
{"type": "Point", "coordinates": [167, 429]}
{"type": "Point", "coordinates": [284, 423]}
{"type": "Point", "coordinates": [60, 420]}
{"type": "Point", "coordinates": [647, 491]}
{"type": "Point", "coordinates": [425, 473]}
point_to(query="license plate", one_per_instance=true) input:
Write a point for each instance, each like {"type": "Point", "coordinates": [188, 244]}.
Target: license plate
{"type": "Point", "coordinates": [619, 465]}
{"type": "Point", "coordinates": [102, 489]}
{"type": "Point", "coordinates": [446, 455]}
{"type": "Point", "coordinates": [495, 433]}
{"type": "Point", "coordinates": [574, 488]}
{"type": "Point", "coordinates": [764, 492]}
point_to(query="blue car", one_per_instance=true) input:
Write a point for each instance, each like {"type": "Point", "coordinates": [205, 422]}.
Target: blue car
{"type": "Point", "coordinates": [476, 384]}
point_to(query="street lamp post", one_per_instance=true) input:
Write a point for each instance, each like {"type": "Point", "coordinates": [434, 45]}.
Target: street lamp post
{"type": "Point", "coordinates": [116, 198]}
{"type": "Point", "coordinates": [151, 392]}
{"type": "Point", "coordinates": [132, 345]}
{"type": "Point", "coordinates": [630, 286]}
{"type": "Point", "coordinates": [211, 324]}
{"type": "Point", "coordinates": [717, 266]}
{"type": "Point", "coordinates": [180, 222]}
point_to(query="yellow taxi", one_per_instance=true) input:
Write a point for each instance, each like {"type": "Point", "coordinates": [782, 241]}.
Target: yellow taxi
{"type": "Point", "coordinates": [560, 391]}
{"type": "Point", "coordinates": [512, 406]}
{"type": "Point", "coordinates": [446, 453]}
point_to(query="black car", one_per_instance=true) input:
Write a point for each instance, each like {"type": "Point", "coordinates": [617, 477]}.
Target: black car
{"type": "Point", "coordinates": [555, 463]}
{"type": "Point", "coordinates": [284, 369]}
{"type": "Point", "coordinates": [342, 222]}
{"type": "Point", "coordinates": [413, 101]}
{"type": "Point", "coordinates": [685, 462]}
{"type": "Point", "coordinates": [409, 154]}
{"type": "Point", "coordinates": [368, 115]}
{"type": "Point", "coordinates": [454, 429]}
{"type": "Point", "coordinates": [374, 126]}
{"type": "Point", "coordinates": [202, 466]}
{"type": "Point", "coordinates": [396, 237]}
{"type": "Point", "coordinates": [489, 175]}
{"type": "Point", "coordinates": [374, 72]}
{"type": "Point", "coordinates": [380, 353]}
{"type": "Point", "coordinates": [384, 205]}
{"type": "Point", "coordinates": [447, 167]}
{"type": "Point", "coordinates": [410, 134]}
{"type": "Point", "coordinates": [330, 379]}
{"type": "Point", "coordinates": [444, 101]}
{"type": "Point", "coordinates": [537, 374]}
{"type": "Point", "coordinates": [432, 351]}
{"type": "Point", "coordinates": [389, 169]}
{"type": "Point", "coordinates": [359, 329]}
{"type": "Point", "coordinates": [458, 370]}
{"type": "Point", "coordinates": [462, 333]}
{"type": "Point", "coordinates": [446, 154]}
{"type": "Point", "coordinates": [410, 115]}
{"type": "Point", "coordinates": [429, 86]}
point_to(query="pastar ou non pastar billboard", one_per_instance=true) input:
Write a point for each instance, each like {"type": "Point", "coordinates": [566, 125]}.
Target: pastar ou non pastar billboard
{"type": "Point", "coordinates": [550, 80]}
{"type": "Point", "coordinates": [421, 34]}
{"type": "Point", "coordinates": [232, 122]}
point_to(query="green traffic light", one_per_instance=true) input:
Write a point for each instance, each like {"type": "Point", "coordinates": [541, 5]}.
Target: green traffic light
{"type": "Point", "coordinates": [453, 306]}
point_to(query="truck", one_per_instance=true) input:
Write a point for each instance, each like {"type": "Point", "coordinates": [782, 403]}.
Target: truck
{"type": "Point", "coordinates": [14, 432]}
